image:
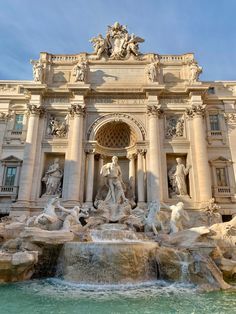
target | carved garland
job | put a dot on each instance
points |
(117, 117)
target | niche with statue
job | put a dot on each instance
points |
(178, 175)
(52, 176)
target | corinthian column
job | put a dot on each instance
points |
(140, 176)
(196, 112)
(77, 112)
(154, 111)
(26, 179)
(100, 165)
(131, 158)
(90, 176)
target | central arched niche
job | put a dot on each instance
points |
(114, 138)
(116, 134)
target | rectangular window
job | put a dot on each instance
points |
(18, 122)
(214, 122)
(10, 176)
(221, 177)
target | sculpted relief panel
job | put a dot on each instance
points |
(57, 126)
(174, 126)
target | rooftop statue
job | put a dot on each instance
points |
(118, 43)
(37, 70)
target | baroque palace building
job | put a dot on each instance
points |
(174, 136)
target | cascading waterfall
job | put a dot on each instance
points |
(113, 256)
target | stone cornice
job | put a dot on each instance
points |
(197, 89)
(79, 88)
(156, 88)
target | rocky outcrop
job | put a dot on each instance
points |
(37, 235)
(17, 266)
(186, 266)
(185, 238)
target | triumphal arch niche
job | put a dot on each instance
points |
(173, 135)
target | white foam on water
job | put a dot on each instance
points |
(59, 288)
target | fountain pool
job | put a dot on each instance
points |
(57, 296)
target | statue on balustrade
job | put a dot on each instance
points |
(37, 70)
(195, 71)
(152, 71)
(52, 179)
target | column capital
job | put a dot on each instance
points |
(33, 110)
(154, 110)
(141, 151)
(197, 110)
(77, 110)
(131, 156)
(5, 116)
(90, 148)
(90, 151)
(230, 118)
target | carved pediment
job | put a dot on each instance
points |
(11, 159)
(219, 160)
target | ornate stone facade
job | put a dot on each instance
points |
(148, 109)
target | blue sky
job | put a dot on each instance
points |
(205, 27)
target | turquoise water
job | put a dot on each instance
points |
(56, 296)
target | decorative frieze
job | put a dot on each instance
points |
(172, 101)
(8, 89)
(118, 100)
(56, 100)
